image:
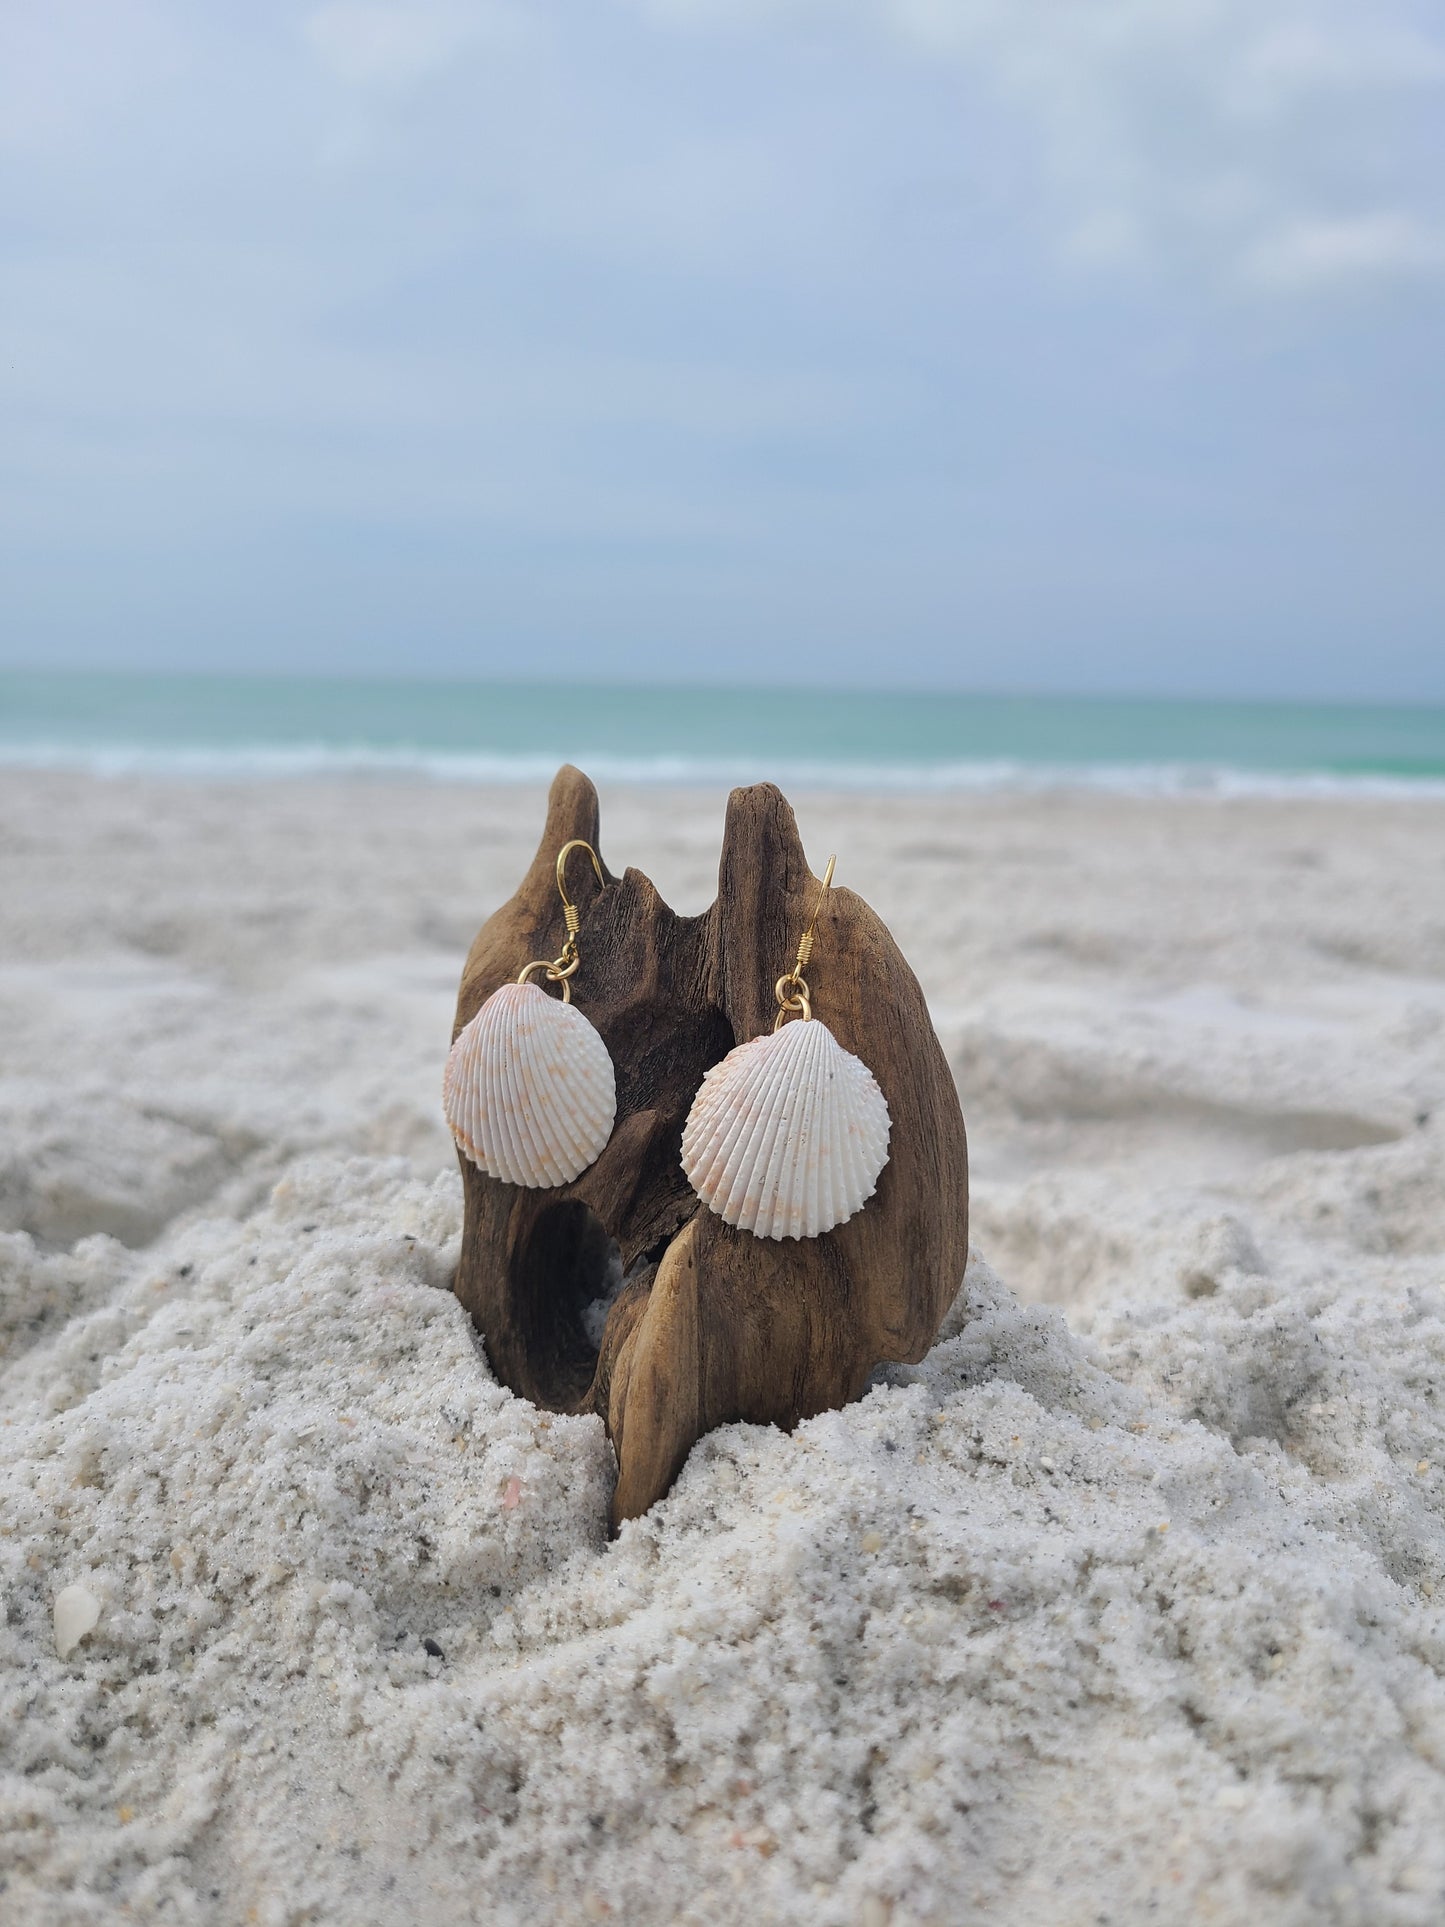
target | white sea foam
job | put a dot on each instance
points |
(264, 762)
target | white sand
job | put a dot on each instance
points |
(1125, 1606)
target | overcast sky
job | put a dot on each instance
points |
(1007, 344)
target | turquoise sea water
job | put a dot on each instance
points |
(269, 725)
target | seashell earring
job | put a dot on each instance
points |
(787, 1135)
(529, 1091)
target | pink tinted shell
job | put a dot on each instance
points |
(787, 1135)
(529, 1091)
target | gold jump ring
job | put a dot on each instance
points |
(554, 975)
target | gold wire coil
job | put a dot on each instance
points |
(791, 989)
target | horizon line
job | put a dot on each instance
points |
(623, 682)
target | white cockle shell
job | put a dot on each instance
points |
(530, 1091)
(787, 1135)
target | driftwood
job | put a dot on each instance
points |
(712, 1324)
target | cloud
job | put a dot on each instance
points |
(1369, 248)
(367, 43)
(1280, 64)
(801, 319)
(74, 69)
(1212, 136)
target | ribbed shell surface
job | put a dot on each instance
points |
(529, 1090)
(787, 1135)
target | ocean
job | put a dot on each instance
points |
(264, 726)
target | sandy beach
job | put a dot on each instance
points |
(1126, 1605)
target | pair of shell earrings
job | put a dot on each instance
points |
(785, 1137)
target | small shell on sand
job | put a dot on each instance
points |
(77, 1613)
(787, 1135)
(530, 1092)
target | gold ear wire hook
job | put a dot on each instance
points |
(791, 989)
(564, 965)
(570, 913)
(805, 942)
